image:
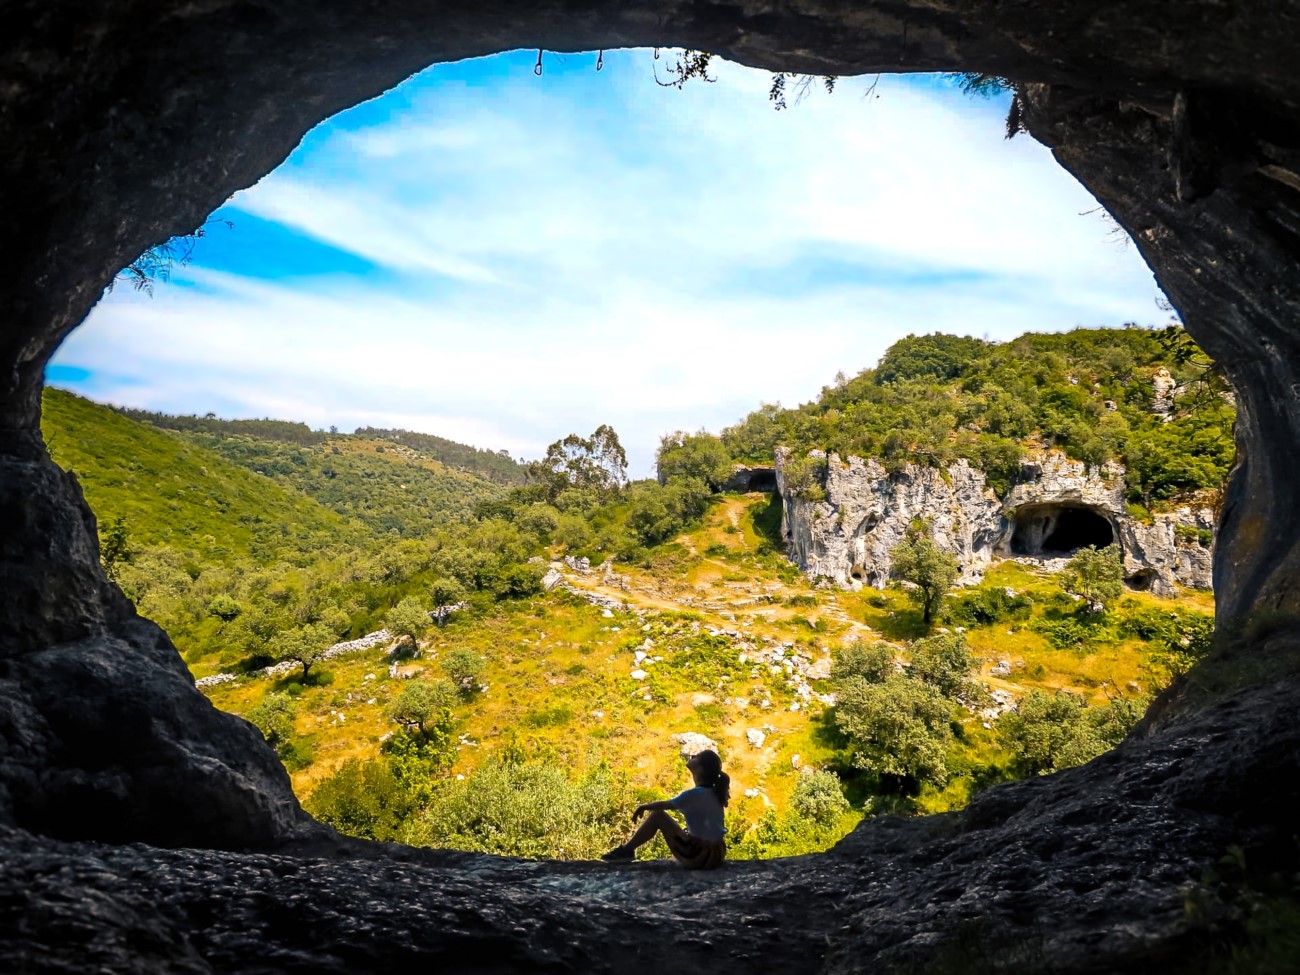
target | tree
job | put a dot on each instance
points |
(818, 798)
(900, 727)
(464, 667)
(944, 662)
(696, 456)
(115, 547)
(408, 620)
(1096, 576)
(873, 662)
(225, 607)
(305, 646)
(918, 560)
(424, 708)
(1048, 732)
(596, 462)
(446, 592)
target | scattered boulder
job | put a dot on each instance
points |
(692, 743)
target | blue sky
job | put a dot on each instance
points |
(504, 259)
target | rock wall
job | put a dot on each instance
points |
(1057, 506)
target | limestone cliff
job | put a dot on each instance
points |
(846, 526)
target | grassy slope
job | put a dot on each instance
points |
(389, 487)
(559, 671)
(171, 491)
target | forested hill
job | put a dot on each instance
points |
(1097, 394)
(494, 466)
(172, 492)
(389, 487)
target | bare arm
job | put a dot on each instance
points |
(646, 807)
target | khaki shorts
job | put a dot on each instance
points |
(694, 853)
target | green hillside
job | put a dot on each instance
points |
(389, 487)
(230, 559)
(490, 465)
(495, 466)
(1089, 392)
(172, 492)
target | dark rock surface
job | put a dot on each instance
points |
(102, 733)
(1085, 871)
(125, 123)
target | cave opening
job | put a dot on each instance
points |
(184, 159)
(1055, 530)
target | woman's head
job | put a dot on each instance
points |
(706, 768)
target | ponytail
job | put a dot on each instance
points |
(722, 787)
(718, 780)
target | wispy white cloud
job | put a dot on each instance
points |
(557, 257)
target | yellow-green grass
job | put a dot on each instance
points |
(559, 682)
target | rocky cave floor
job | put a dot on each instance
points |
(1085, 871)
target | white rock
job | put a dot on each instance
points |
(639, 674)
(755, 737)
(692, 743)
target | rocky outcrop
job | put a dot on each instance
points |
(102, 731)
(845, 528)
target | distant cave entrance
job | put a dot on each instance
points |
(1142, 580)
(747, 479)
(1053, 530)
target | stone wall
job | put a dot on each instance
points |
(848, 536)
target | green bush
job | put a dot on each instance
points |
(873, 662)
(900, 729)
(944, 662)
(464, 667)
(818, 798)
(986, 606)
(362, 798)
(1047, 732)
(528, 809)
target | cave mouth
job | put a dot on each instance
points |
(1142, 580)
(1054, 530)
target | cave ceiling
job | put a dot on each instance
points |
(127, 123)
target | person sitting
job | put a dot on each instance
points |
(702, 844)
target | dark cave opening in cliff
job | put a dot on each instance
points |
(1053, 530)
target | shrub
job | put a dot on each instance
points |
(1095, 575)
(464, 667)
(1048, 732)
(986, 606)
(873, 662)
(900, 728)
(944, 662)
(526, 808)
(363, 798)
(818, 797)
(805, 477)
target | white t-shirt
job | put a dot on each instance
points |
(703, 812)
